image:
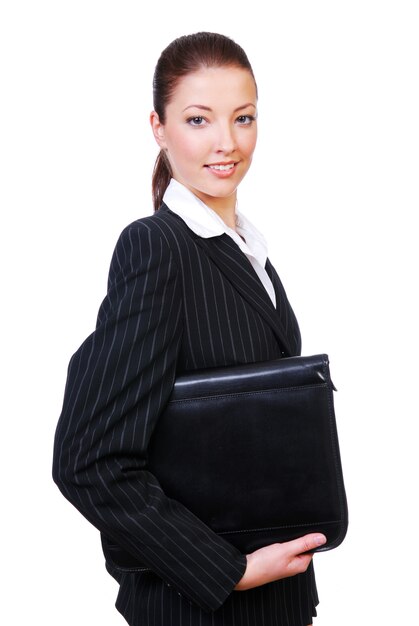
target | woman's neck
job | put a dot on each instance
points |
(225, 209)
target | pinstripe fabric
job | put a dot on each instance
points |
(175, 302)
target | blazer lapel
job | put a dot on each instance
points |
(237, 268)
(285, 312)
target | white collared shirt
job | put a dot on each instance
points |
(207, 223)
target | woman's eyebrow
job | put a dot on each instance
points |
(202, 107)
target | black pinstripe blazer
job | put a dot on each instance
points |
(175, 302)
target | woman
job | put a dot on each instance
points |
(190, 287)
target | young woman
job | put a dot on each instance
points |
(190, 287)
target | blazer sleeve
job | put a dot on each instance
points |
(118, 383)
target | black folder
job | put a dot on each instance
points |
(252, 450)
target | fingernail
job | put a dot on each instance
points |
(320, 540)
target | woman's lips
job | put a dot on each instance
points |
(222, 170)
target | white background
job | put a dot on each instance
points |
(334, 186)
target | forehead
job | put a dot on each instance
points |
(215, 86)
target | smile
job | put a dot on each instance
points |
(222, 168)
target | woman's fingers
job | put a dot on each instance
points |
(279, 560)
(305, 544)
(299, 552)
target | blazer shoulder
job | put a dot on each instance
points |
(163, 222)
(163, 227)
(157, 237)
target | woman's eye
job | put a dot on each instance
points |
(245, 119)
(196, 121)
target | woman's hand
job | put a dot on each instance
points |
(279, 560)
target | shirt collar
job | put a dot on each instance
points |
(205, 222)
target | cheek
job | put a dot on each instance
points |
(185, 147)
(248, 143)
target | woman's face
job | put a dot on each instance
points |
(210, 132)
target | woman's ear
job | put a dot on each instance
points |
(158, 129)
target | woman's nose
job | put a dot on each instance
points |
(226, 139)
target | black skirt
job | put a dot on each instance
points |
(144, 600)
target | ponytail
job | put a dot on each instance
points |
(161, 179)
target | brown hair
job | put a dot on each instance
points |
(181, 57)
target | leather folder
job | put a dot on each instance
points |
(253, 451)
